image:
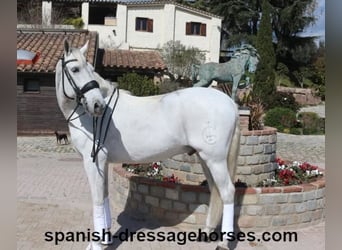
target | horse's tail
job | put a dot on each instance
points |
(234, 150)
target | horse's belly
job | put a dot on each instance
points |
(148, 142)
(137, 150)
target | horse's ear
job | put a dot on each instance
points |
(66, 47)
(84, 48)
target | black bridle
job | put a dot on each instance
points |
(79, 92)
(97, 145)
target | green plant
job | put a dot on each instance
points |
(180, 58)
(264, 82)
(292, 174)
(311, 123)
(284, 100)
(256, 110)
(76, 22)
(138, 85)
(281, 118)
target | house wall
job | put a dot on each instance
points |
(210, 44)
(169, 23)
(142, 39)
(38, 113)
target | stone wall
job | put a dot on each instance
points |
(302, 96)
(256, 209)
(256, 160)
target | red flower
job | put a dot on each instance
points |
(280, 161)
(307, 167)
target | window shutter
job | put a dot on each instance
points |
(188, 28)
(137, 23)
(150, 25)
(203, 31)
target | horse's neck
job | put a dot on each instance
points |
(242, 60)
(106, 87)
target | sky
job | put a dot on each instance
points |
(317, 29)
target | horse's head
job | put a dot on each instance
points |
(79, 80)
(253, 57)
(252, 63)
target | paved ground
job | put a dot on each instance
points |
(53, 195)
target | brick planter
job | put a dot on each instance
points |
(186, 206)
(256, 160)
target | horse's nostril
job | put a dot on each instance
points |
(98, 107)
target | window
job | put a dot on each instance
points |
(195, 28)
(31, 86)
(98, 12)
(144, 24)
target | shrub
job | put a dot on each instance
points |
(311, 123)
(256, 108)
(76, 22)
(284, 100)
(138, 85)
(281, 118)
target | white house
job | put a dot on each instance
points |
(146, 25)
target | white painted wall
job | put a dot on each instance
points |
(169, 23)
(143, 39)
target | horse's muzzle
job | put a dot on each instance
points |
(99, 108)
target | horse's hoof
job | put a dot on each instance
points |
(223, 245)
(204, 236)
(107, 238)
(107, 242)
(94, 246)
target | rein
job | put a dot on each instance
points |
(97, 144)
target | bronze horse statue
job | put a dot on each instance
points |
(244, 58)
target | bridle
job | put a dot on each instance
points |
(79, 92)
(97, 145)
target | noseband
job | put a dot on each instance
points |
(79, 92)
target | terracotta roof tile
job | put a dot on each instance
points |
(133, 59)
(50, 45)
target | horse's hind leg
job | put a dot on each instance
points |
(225, 187)
(97, 173)
(215, 204)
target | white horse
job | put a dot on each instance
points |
(146, 129)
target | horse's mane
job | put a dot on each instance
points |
(107, 87)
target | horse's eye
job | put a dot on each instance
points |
(75, 69)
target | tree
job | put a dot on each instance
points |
(289, 19)
(264, 81)
(179, 58)
(138, 85)
(240, 20)
(29, 12)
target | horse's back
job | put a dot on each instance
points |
(202, 105)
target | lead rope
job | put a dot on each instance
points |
(97, 145)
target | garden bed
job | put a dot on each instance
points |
(186, 205)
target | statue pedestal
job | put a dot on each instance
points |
(244, 114)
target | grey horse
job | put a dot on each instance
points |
(244, 58)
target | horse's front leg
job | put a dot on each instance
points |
(97, 173)
(236, 80)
